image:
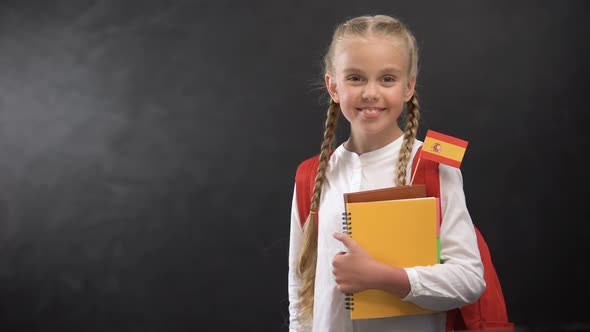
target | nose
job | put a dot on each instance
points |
(370, 92)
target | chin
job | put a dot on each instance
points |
(377, 127)
(374, 131)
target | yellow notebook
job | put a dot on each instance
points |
(401, 233)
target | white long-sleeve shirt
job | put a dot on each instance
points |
(457, 281)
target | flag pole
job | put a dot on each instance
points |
(416, 169)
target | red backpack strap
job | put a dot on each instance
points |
(304, 179)
(426, 174)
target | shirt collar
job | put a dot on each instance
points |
(388, 150)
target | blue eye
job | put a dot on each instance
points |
(389, 79)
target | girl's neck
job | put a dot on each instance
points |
(360, 144)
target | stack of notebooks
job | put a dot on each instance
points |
(400, 227)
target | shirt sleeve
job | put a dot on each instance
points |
(295, 242)
(458, 280)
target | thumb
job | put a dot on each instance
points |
(346, 240)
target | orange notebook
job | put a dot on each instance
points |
(401, 232)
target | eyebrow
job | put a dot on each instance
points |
(384, 71)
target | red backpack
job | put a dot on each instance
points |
(489, 311)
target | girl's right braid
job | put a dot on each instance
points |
(327, 144)
(308, 256)
(412, 122)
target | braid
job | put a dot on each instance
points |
(309, 253)
(412, 121)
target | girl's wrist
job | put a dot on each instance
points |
(390, 278)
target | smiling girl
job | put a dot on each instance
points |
(370, 74)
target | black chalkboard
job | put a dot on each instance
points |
(148, 152)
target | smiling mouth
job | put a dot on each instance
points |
(370, 112)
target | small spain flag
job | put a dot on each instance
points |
(444, 149)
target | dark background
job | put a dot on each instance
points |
(148, 152)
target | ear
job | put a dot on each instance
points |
(410, 88)
(332, 89)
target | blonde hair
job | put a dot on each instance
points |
(362, 26)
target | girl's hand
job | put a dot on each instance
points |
(353, 270)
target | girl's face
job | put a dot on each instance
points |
(370, 82)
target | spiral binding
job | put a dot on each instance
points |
(347, 229)
(349, 302)
(346, 224)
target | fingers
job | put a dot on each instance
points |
(338, 264)
(337, 261)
